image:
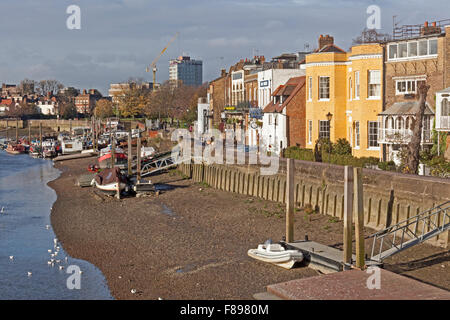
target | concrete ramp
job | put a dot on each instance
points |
(352, 285)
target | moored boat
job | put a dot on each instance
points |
(275, 253)
(15, 148)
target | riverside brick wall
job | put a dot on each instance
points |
(388, 197)
(54, 124)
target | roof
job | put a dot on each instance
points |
(446, 90)
(289, 89)
(406, 108)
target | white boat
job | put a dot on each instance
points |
(276, 254)
(71, 146)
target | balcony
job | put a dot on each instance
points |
(443, 123)
(401, 136)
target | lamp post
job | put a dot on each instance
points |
(329, 116)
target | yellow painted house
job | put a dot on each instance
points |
(344, 96)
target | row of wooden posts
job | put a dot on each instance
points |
(29, 133)
(353, 210)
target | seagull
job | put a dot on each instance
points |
(29, 273)
(47, 227)
(11, 257)
(81, 272)
(52, 255)
(49, 262)
(55, 241)
(61, 267)
(49, 251)
(66, 259)
(58, 261)
(133, 291)
(3, 210)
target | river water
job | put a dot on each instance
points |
(26, 236)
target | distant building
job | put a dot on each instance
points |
(186, 71)
(85, 102)
(116, 90)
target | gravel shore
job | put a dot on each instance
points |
(191, 241)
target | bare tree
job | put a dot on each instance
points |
(46, 86)
(413, 159)
(27, 86)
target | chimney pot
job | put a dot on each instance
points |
(426, 24)
(434, 24)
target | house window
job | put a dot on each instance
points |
(357, 134)
(393, 51)
(324, 88)
(407, 86)
(402, 50)
(350, 88)
(374, 84)
(310, 131)
(324, 129)
(423, 47)
(372, 135)
(445, 111)
(310, 88)
(357, 85)
(412, 49)
(432, 46)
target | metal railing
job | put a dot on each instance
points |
(443, 122)
(410, 232)
(403, 136)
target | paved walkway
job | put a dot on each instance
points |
(352, 285)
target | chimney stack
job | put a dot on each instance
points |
(428, 30)
(325, 41)
(223, 73)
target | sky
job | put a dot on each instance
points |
(118, 39)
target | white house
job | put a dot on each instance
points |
(203, 115)
(269, 80)
(47, 107)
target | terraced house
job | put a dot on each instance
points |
(344, 95)
(417, 54)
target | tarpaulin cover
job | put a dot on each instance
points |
(110, 175)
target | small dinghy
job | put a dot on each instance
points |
(275, 253)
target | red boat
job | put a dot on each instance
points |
(15, 148)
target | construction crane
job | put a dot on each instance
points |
(153, 65)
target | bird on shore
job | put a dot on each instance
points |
(55, 241)
(133, 291)
(47, 227)
(2, 210)
(30, 273)
(11, 257)
(61, 267)
(49, 251)
(66, 259)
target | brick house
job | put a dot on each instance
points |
(410, 60)
(284, 117)
(85, 102)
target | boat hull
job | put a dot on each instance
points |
(285, 259)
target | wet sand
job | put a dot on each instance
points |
(191, 241)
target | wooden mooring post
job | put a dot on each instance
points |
(290, 201)
(29, 131)
(348, 213)
(138, 151)
(130, 154)
(40, 138)
(17, 130)
(359, 217)
(113, 153)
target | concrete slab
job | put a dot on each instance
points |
(352, 285)
(321, 257)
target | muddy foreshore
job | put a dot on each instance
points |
(191, 241)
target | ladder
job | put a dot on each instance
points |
(410, 232)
